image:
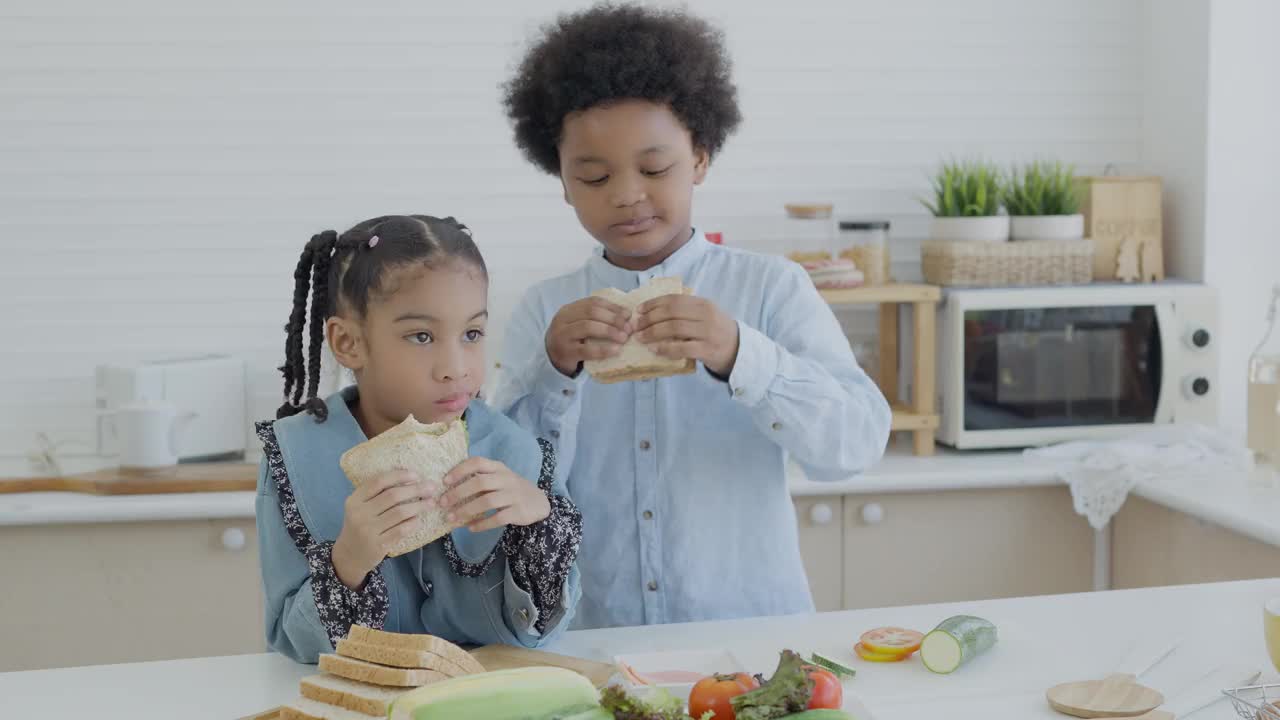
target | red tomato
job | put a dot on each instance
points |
(828, 693)
(713, 693)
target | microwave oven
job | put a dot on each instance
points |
(1021, 367)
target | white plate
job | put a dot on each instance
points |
(676, 671)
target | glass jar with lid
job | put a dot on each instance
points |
(810, 232)
(866, 243)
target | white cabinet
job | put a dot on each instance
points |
(945, 546)
(821, 520)
(1153, 545)
(125, 592)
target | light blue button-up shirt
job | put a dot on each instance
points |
(681, 480)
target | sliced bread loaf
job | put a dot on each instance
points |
(460, 658)
(366, 698)
(375, 674)
(308, 709)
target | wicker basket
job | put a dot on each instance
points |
(993, 264)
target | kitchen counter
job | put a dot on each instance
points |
(1043, 641)
(53, 508)
(1246, 505)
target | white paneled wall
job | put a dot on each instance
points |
(162, 163)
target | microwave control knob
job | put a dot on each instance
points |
(1196, 387)
(1199, 338)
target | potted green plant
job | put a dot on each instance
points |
(1043, 201)
(966, 203)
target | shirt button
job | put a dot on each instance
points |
(737, 392)
(648, 514)
(644, 445)
(428, 588)
(524, 614)
(555, 434)
(776, 426)
(567, 392)
(653, 586)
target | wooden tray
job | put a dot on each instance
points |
(196, 477)
(505, 657)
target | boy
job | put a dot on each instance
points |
(681, 480)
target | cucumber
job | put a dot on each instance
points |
(826, 663)
(956, 641)
(819, 715)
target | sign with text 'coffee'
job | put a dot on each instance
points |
(1122, 216)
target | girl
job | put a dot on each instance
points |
(402, 302)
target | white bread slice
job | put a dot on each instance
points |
(376, 674)
(365, 698)
(420, 643)
(308, 709)
(401, 657)
(636, 361)
(429, 450)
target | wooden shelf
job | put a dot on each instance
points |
(891, 293)
(918, 417)
(906, 419)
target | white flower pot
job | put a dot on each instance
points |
(989, 228)
(1046, 227)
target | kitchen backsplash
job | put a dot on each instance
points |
(162, 165)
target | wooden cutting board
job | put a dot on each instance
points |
(505, 657)
(273, 714)
(195, 477)
(1117, 695)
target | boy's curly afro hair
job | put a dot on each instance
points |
(620, 52)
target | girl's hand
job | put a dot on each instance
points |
(479, 485)
(375, 517)
(689, 327)
(590, 329)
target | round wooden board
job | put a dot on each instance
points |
(1113, 696)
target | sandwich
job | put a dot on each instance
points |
(431, 451)
(636, 361)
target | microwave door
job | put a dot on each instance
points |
(1168, 369)
(1068, 368)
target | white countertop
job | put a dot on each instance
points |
(1043, 641)
(53, 508)
(1247, 505)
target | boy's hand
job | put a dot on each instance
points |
(479, 485)
(375, 517)
(686, 326)
(590, 329)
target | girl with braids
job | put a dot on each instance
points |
(401, 301)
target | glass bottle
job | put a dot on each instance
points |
(1264, 390)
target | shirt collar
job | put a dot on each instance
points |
(678, 265)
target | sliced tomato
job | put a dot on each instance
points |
(866, 654)
(892, 641)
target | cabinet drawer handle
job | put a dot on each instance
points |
(821, 514)
(233, 539)
(872, 513)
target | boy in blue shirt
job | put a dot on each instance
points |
(681, 480)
